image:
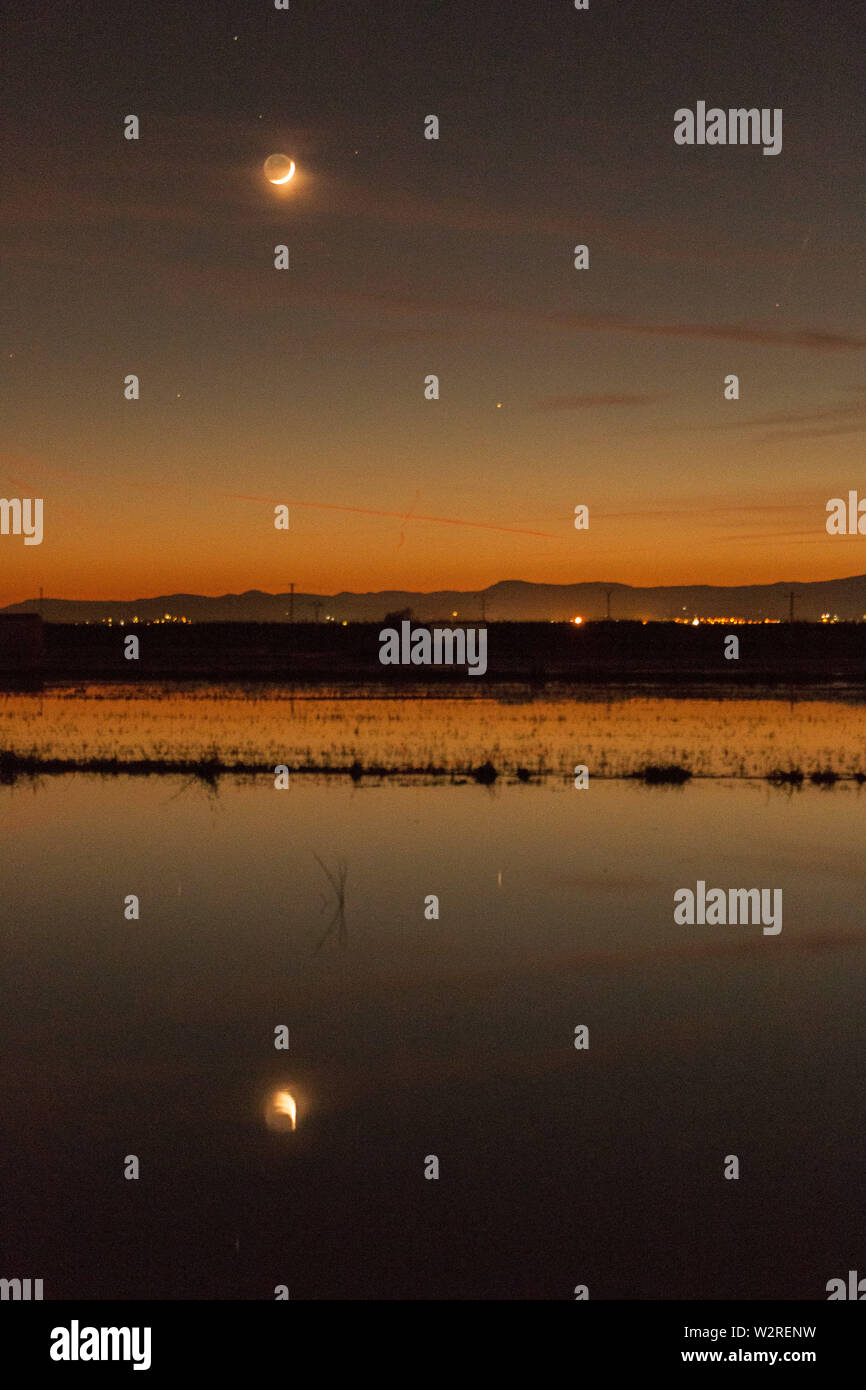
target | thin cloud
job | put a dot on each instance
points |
(645, 241)
(785, 417)
(816, 339)
(589, 402)
(233, 190)
(707, 511)
(247, 288)
(812, 537)
(398, 516)
(828, 433)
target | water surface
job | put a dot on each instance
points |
(412, 1037)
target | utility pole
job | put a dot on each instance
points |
(608, 592)
(291, 603)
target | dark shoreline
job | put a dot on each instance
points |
(511, 692)
(530, 654)
(18, 766)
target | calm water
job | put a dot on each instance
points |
(412, 1037)
(715, 735)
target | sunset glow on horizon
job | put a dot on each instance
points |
(212, 546)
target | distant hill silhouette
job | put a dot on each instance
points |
(510, 600)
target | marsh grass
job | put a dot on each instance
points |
(202, 728)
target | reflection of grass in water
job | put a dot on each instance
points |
(208, 770)
(792, 777)
(15, 765)
(661, 774)
(337, 880)
(821, 777)
(486, 774)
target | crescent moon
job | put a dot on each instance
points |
(289, 175)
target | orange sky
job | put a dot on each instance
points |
(216, 542)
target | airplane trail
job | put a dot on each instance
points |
(398, 516)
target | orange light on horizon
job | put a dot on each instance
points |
(577, 621)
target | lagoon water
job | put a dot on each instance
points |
(412, 1037)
